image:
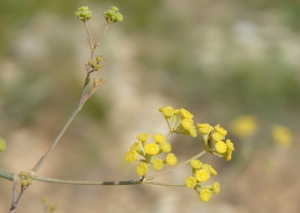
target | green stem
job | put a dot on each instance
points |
(101, 36)
(10, 176)
(88, 34)
(80, 104)
(6, 174)
(79, 182)
(163, 184)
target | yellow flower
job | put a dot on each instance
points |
(159, 138)
(143, 137)
(168, 111)
(216, 188)
(190, 182)
(220, 130)
(205, 195)
(230, 148)
(229, 145)
(217, 136)
(204, 129)
(244, 126)
(282, 135)
(196, 164)
(151, 149)
(186, 114)
(202, 175)
(158, 164)
(212, 170)
(131, 156)
(142, 169)
(165, 147)
(221, 147)
(193, 132)
(187, 123)
(171, 159)
(136, 146)
(209, 169)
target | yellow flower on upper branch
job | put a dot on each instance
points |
(244, 126)
(184, 125)
(186, 114)
(282, 135)
(168, 111)
(212, 140)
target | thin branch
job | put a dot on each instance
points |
(88, 34)
(79, 182)
(6, 174)
(163, 184)
(79, 106)
(101, 36)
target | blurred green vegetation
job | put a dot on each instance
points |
(218, 59)
(238, 58)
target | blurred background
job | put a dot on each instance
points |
(234, 63)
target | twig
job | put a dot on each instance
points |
(79, 106)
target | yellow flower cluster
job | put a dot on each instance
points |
(25, 179)
(212, 139)
(184, 125)
(146, 153)
(201, 173)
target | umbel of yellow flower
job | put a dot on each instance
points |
(147, 153)
(212, 140)
(180, 121)
(201, 173)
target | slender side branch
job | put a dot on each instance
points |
(6, 174)
(79, 182)
(102, 35)
(88, 34)
(163, 184)
(80, 103)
